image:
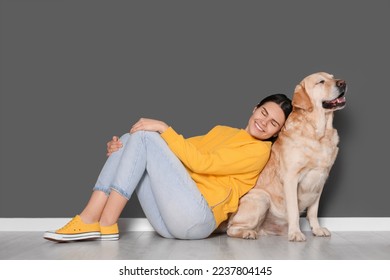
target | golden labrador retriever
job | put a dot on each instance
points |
(300, 161)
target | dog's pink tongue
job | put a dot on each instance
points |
(340, 100)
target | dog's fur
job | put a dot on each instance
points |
(300, 162)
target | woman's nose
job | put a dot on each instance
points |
(264, 121)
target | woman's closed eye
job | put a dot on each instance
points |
(275, 123)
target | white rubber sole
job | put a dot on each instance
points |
(51, 235)
(109, 237)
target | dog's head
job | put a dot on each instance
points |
(320, 90)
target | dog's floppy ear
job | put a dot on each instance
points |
(301, 99)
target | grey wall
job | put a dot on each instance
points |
(74, 73)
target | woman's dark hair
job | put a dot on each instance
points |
(282, 100)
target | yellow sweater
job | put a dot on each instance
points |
(224, 163)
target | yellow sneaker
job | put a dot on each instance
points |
(109, 232)
(76, 229)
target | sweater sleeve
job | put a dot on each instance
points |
(222, 161)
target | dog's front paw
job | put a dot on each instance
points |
(249, 234)
(296, 236)
(242, 233)
(321, 231)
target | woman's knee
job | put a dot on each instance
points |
(153, 136)
(143, 134)
(140, 135)
(124, 138)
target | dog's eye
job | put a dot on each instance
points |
(321, 82)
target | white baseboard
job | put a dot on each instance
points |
(43, 224)
(142, 224)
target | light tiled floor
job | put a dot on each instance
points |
(150, 246)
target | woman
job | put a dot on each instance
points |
(186, 187)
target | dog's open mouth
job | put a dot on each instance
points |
(335, 103)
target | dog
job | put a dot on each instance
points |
(301, 158)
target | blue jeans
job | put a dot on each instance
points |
(169, 197)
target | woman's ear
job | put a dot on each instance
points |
(254, 109)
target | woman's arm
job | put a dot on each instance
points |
(223, 160)
(149, 125)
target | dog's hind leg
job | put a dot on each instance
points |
(251, 213)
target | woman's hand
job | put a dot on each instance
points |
(143, 124)
(113, 145)
(149, 125)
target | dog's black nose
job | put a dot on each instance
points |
(341, 84)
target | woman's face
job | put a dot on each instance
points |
(266, 121)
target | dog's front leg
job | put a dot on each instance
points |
(312, 217)
(290, 186)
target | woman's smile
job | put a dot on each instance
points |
(259, 127)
